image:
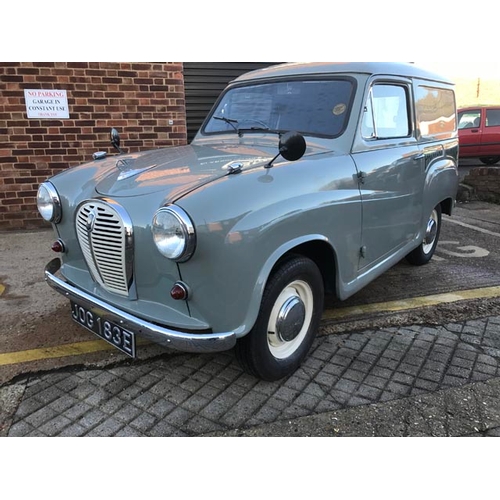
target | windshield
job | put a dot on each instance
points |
(315, 107)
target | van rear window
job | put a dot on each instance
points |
(435, 109)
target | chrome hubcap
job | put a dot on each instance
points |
(430, 233)
(290, 319)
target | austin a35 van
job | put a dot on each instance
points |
(304, 179)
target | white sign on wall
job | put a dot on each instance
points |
(42, 103)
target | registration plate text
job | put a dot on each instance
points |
(111, 332)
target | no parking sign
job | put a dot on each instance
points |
(48, 103)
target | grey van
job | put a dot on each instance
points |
(304, 179)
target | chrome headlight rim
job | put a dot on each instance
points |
(187, 228)
(53, 199)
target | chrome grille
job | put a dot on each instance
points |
(106, 242)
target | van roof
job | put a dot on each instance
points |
(323, 68)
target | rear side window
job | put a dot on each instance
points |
(435, 110)
(386, 113)
(492, 117)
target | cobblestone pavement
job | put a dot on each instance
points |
(383, 374)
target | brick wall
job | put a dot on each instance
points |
(139, 99)
(485, 182)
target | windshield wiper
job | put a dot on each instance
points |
(228, 120)
(239, 130)
(250, 129)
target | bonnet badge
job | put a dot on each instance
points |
(89, 225)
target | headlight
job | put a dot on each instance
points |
(48, 203)
(174, 233)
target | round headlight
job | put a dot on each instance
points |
(48, 203)
(173, 233)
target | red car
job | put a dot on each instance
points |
(479, 133)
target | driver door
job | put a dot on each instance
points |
(390, 171)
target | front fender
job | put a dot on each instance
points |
(256, 219)
(263, 276)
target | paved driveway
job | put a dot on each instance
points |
(385, 363)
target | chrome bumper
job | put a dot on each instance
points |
(182, 341)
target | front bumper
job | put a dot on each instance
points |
(181, 341)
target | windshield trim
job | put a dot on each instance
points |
(294, 78)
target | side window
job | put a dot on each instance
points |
(492, 117)
(386, 113)
(469, 119)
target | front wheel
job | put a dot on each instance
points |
(290, 313)
(424, 252)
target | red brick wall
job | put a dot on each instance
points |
(485, 182)
(139, 99)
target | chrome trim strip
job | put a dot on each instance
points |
(182, 341)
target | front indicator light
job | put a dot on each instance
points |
(58, 246)
(179, 291)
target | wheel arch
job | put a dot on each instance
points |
(447, 206)
(322, 254)
(441, 186)
(316, 247)
(278, 342)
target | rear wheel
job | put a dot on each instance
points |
(424, 252)
(290, 313)
(489, 160)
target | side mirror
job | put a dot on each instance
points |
(292, 147)
(115, 140)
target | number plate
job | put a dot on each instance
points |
(106, 330)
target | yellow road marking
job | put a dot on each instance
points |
(2, 289)
(59, 351)
(79, 348)
(413, 303)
